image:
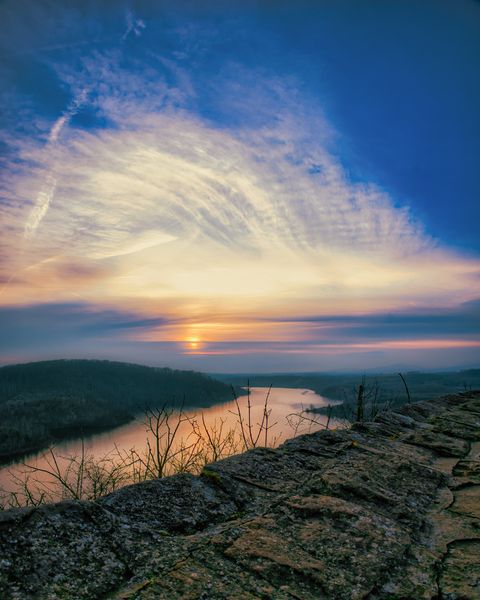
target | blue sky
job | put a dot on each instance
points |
(221, 175)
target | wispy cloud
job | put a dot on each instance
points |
(71, 111)
(134, 24)
(257, 217)
(47, 191)
(40, 208)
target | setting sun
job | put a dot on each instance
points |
(193, 343)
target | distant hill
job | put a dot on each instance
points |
(45, 402)
(422, 385)
(381, 390)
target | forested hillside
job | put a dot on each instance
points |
(43, 402)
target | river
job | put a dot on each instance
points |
(284, 404)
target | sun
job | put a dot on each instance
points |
(193, 342)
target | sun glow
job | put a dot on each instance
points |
(193, 342)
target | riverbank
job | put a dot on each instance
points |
(385, 510)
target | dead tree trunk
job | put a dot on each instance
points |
(360, 402)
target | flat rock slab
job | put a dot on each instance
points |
(385, 510)
(460, 577)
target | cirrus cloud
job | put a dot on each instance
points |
(165, 210)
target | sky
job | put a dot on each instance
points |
(238, 186)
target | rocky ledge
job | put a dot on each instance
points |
(386, 510)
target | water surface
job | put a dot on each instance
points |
(284, 406)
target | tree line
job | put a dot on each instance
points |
(45, 402)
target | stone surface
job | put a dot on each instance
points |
(460, 577)
(386, 511)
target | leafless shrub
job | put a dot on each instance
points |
(168, 450)
(217, 441)
(79, 477)
(254, 434)
(304, 421)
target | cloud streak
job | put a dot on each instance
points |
(134, 25)
(71, 111)
(47, 192)
(41, 206)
